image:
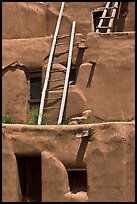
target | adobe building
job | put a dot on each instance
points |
(92, 158)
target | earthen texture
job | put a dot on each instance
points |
(107, 154)
(103, 92)
(105, 77)
(31, 19)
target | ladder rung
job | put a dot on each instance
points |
(62, 36)
(57, 80)
(59, 53)
(112, 7)
(57, 70)
(106, 17)
(51, 107)
(65, 43)
(103, 27)
(46, 99)
(52, 89)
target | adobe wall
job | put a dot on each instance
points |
(23, 20)
(35, 19)
(105, 77)
(106, 152)
(15, 94)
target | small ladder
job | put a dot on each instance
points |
(51, 71)
(110, 18)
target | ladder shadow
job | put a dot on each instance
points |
(79, 61)
(91, 74)
(120, 23)
(82, 150)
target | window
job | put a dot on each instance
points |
(35, 88)
(29, 170)
(77, 180)
(96, 18)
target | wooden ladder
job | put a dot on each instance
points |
(108, 13)
(50, 71)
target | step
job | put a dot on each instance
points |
(57, 70)
(51, 107)
(62, 36)
(60, 53)
(112, 7)
(54, 80)
(107, 17)
(46, 99)
(103, 27)
(54, 89)
(65, 43)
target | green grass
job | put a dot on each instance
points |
(33, 114)
(7, 119)
(33, 118)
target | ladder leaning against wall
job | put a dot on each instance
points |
(109, 14)
(50, 71)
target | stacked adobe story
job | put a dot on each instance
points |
(75, 161)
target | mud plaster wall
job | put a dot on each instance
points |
(108, 82)
(105, 81)
(107, 154)
(34, 19)
(15, 94)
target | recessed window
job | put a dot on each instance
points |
(35, 88)
(96, 18)
(77, 180)
(29, 170)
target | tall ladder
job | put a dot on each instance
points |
(51, 71)
(108, 13)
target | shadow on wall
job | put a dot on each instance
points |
(79, 61)
(121, 17)
(91, 74)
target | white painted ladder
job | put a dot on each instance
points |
(49, 71)
(110, 18)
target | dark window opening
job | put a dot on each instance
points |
(96, 18)
(29, 170)
(35, 88)
(77, 180)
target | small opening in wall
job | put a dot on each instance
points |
(77, 180)
(96, 18)
(29, 170)
(35, 88)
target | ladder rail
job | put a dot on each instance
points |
(103, 15)
(49, 65)
(113, 16)
(118, 14)
(67, 74)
